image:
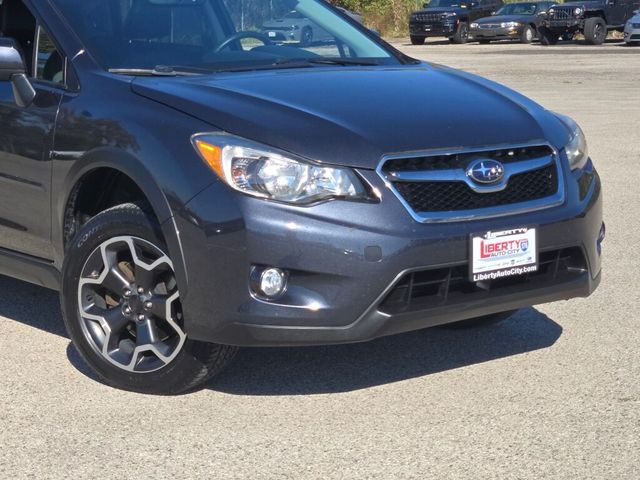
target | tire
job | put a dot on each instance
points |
(462, 34)
(484, 42)
(547, 37)
(595, 31)
(415, 40)
(122, 310)
(479, 321)
(568, 37)
(306, 37)
(527, 34)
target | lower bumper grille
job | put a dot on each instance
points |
(427, 289)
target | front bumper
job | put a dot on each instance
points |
(345, 260)
(495, 33)
(632, 35)
(435, 29)
(571, 25)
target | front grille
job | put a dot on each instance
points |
(454, 196)
(462, 160)
(437, 185)
(562, 13)
(427, 17)
(489, 26)
(444, 287)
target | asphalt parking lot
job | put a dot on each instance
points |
(552, 393)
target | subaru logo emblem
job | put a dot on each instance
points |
(486, 171)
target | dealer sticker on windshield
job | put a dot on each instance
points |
(503, 254)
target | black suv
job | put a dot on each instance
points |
(594, 19)
(191, 186)
(449, 18)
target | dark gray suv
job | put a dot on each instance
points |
(191, 187)
(449, 18)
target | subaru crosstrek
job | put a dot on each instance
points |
(191, 187)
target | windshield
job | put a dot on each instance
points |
(518, 9)
(210, 35)
(446, 3)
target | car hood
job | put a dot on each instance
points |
(285, 22)
(354, 116)
(587, 5)
(505, 18)
(457, 10)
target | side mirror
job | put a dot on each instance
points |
(13, 69)
(11, 62)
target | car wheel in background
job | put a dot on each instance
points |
(306, 37)
(526, 35)
(415, 40)
(547, 37)
(123, 311)
(484, 42)
(595, 31)
(462, 34)
(479, 321)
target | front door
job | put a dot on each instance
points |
(26, 138)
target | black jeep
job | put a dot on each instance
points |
(594, 19)
(449, 18)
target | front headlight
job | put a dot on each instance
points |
(509, 25)
(265, 172)
(449, 14)
(577, 12)
(475, 26)
(576, 150)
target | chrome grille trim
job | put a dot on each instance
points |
(460, 175)
(562, 13)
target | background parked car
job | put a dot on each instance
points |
(294, 27)
(594, 19)
(449, 18)
(514, 21)
(632, 30)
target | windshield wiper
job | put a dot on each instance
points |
(160, 71)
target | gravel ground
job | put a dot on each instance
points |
(552, 393)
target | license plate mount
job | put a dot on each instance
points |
(502, 254)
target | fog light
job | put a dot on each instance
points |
(268, 283)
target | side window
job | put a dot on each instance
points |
(50, 64)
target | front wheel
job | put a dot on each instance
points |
(595, 31)
(462, 34)
(547, 37)
(122, 307)
(479, 321)
(526, 35)
(416, 40)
